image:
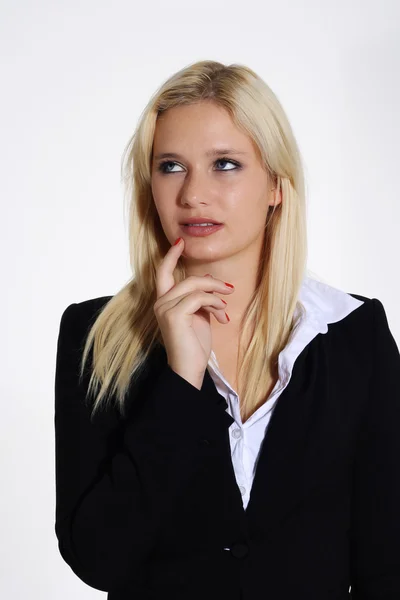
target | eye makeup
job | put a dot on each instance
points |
(162, 166)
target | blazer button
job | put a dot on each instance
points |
(240, 550)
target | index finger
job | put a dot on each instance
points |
(165, 271)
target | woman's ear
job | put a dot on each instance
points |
(275, 198)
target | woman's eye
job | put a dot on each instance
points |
(163, 166)
(223, 160)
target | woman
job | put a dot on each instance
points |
(207, 456)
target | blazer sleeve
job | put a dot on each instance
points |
(375, 529)
(109, 505)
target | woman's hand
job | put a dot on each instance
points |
(183, 313)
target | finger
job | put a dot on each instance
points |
(189, 304)
(165, 271)
(188, 286)
(219, 313)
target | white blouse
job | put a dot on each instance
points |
(324, 304)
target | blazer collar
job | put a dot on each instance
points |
(278, 484)
(278, 481)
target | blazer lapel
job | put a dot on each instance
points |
(278, 482)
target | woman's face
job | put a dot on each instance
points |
(232, 186)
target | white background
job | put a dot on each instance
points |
(75, 77)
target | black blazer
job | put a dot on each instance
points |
(147, 506)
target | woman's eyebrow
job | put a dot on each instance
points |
(212, 152)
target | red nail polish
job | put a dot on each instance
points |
(177, 241)
(227, 316)
(229, 284)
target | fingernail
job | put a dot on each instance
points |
(227, 316)
(177, 241)
(229, 284)
(224, 301)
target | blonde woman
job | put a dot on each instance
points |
(227, 426)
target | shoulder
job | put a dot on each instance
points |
(372, 312)
(78, 317)
(366, 327)
(361, 316)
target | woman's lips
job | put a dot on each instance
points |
(201, 230)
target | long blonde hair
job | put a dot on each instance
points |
(126, 329)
